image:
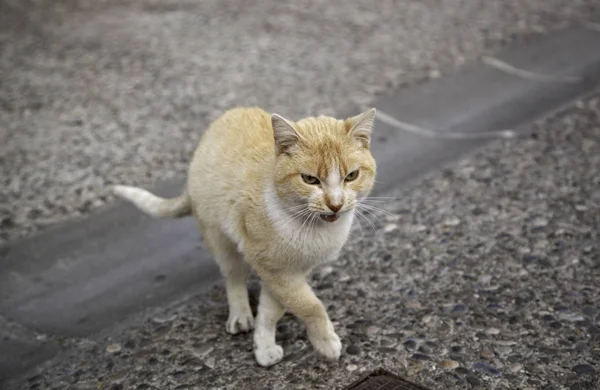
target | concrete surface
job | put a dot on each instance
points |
(80, 277)
(482, 275)
(97, 92)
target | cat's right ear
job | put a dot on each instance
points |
(285, 134)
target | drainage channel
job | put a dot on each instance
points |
(87, 275)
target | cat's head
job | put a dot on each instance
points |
(323, 163)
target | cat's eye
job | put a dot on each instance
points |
(352, 175)
(308, 179)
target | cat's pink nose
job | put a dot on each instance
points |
(334, 207)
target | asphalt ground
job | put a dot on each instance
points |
(484, 274)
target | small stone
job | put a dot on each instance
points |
(448, 364)
(540, 222)
(514, 368)
(459, 309)
(452, 221)
(410, 344)
(484, 279)
(351, 367)
(555, 325)
(371, 330)
(210, 362)
(204, 350)
(113, 348)
(486, 353)
(353, 349)
(584, 368)
(390, 227)
(420, 356)
(505, 343)
(492, 331)
(413, 304)
(502, 350)
(485, 369)
(435, 74)
(571, 317)
(456, 349)
(473, 381)
(414, 369)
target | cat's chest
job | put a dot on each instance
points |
(310, 247)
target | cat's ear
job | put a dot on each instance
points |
(285, 134)
(361, 126)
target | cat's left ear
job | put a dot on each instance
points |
(361, 126)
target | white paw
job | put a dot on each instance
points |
(328, 345)
(240, 321)
(269, 355)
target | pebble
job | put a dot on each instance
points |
(485, 369)
(452, 221)
(410, 344)
(584, 368)
(204, 350)
(505, 343)
(459, 309)
(113, 348)
(210, 362)
(515, 367)
(390, 228)
(473, 380)
(448, 364)
(420, 356)
(351, 367)
(502, 350)
(486, 353)
(540, 222)
(571, 317)
(371, 330)
(353, 349)
(413, 304)
(492, 331)
(456, 349)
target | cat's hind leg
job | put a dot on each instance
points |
(235, 271)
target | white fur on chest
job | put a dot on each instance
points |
(307, 244)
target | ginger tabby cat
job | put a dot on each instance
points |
(276, 197)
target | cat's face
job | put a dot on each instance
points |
(323, 164)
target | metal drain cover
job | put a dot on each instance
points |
(383, 380)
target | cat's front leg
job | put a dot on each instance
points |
(294, 293)
(266, 350)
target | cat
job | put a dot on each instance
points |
(276, 197)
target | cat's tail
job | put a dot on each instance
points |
(154, 205)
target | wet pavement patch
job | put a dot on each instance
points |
(383, 380)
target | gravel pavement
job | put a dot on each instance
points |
(94, 92)
(483, 274)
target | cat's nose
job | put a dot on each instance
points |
(334, 207)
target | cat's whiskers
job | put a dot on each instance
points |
(295, 216)
(364, 218)
(375, 209)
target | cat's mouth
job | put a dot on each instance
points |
(330, 217)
